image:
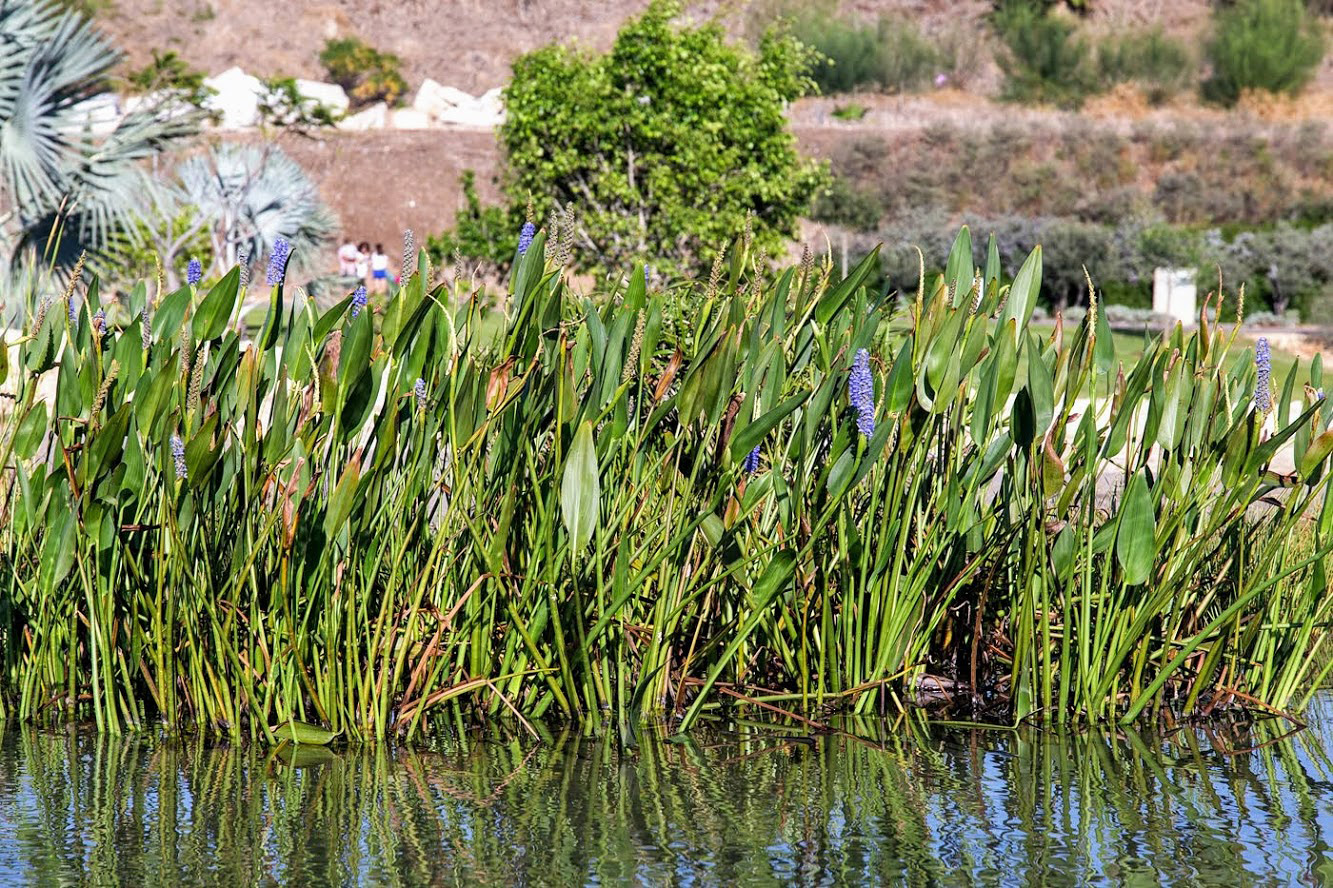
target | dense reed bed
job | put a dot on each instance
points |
(768, 489)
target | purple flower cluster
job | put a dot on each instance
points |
(277, 261)
(525, 236)
(751, 464)
(178, 454)
(419, 391)
(1263, 364)
(73, 310)
(359, 300)
(99, 323)
(194, 272)
(861, 392)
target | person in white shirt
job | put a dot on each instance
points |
(362, 261)
(379, 269)
(347, 259)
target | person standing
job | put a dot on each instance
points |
(362, 261)
(379, 269)
(347, 259)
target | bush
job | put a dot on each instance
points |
(1160, 65)
(1045, 61)
(367, 74)
(891, 55)
(668, 146)
(1272, 45)
(842, 204)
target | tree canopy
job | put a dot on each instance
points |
(663, 145)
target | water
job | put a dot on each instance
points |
(750, 806)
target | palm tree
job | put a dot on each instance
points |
(65, 187)
(248, 196)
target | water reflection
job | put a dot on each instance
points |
(748, 806)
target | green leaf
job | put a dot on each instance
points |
(343, 498)
(959, 270)
(580, 489)
(1136, 537)
(1023, 292)
(211, 319)
(300, 732)
(1315, 455)
(756, 431)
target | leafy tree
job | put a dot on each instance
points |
(664, 145)
(56, 176)
(1272, 45)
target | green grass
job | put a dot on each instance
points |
(642, 505)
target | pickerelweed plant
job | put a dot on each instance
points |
(649, 504)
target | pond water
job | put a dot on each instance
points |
(749, 805)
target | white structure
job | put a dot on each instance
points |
(1175, 294)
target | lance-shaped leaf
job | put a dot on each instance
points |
(580, 489)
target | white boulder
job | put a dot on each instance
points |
(374, 117)
(434, 99)
(237, 98)
(330, 95)
(450, 105)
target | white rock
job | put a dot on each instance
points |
(374, 117)
(434, 98)
(409, 119)
(237, 99)
(330, 95)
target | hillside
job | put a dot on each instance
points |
(470, 43)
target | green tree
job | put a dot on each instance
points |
(664, 145)
(1272, 45)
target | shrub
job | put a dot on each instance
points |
(842, 204)
(171, 78)
(367, 74)
(891, 54)
(1160, 65)
(1045, 61)
(669, 145)
(1272, 45)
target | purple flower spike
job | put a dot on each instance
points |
(751, 464)
(525, 236)
(277, 261)
(194, 272)
(861, 392)
(1263, 364)
(178, 454)
(359, 300)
